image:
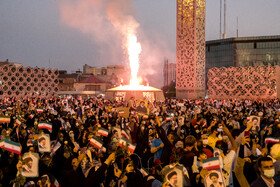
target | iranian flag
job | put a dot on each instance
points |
(110, 115)
(45, 125)
(271, 140)
(121, 112)
(11, 146)
(123, 142)
(145, 116)
(2, 143)
(168, 118)
(96, 143)
(5, 119)
(211, 163)
(133, 107)
(132, 113)
(152, 105)
(31, 116)
(124, 134)
(40, 110)
(103, 132)
(131, 147)
(144, 172)
(18, 122)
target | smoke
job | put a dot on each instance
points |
(89, 17)
(108, 23)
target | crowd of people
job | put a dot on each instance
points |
(97, 142)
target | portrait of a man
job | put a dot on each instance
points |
(214, 179)
(141, 108)
(44, 143)
(30, 165)
(27, 164)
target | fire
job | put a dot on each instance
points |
(134, 50)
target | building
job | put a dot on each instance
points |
(16, 64)
(243, 51)
(92, 83)
(67, 81)
(190, 49)
(17, 81)
(116, 74)
(169, 72)
(79, 84)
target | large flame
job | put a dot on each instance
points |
(134, 50)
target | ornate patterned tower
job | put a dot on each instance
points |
(190, 49)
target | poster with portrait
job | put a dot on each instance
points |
(256, 120)
(214, 179)
(119, 131)
(174, 178)
(44, 144)
(30, 165)
(142, 108)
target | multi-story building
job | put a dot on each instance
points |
(243, 51)
(169, 72)
(116, 74)
(81, 84)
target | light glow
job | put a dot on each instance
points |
(134, 50)
(134, 88)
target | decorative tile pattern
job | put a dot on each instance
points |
(243, 82)
(28, 82)
(190, 49)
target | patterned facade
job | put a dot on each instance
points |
(243, 51)
(260, 82)
(17, 81)
(190, 49)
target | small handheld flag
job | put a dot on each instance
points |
(45, 125)
(31, 116)
(5, 119)
(211, 163)
(96, 143)
(131, 147)
(11, 146)
(168, 118)
(123, 142)
(121, 112)
(271, 140)
(17, 122)
(2, 143)
(39, 110)
(103, 132)
(125, 134)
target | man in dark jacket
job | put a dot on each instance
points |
(267, 172)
